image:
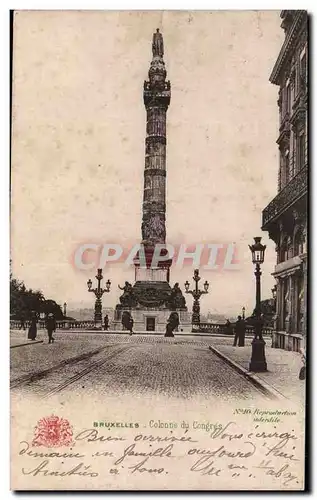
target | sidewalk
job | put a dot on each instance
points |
(283, 368)
(20, 337)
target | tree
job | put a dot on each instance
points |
(24, 302)
(17, 306)
(50, 306)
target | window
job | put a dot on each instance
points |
(288, 97)
(303, 70)
(289, 248)
(300, 150)
(286, 167)
(298, 242)
(283, 250)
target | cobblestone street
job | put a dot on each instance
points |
(117, 364)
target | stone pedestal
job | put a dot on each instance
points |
(150, 304)
(151, 320)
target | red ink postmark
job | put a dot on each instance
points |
(52, 432)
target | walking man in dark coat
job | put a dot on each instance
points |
(131, 323)
(51, 327)
(106, 322)
(127, 321)
(239, 332)
(172, 324)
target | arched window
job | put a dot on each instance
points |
(289, 248)
(298, 242)
(286, 249)
(283, 250)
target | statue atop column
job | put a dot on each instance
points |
(157, 44)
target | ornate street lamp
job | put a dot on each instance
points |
(258, 361)
(98, 293)
(196, 293)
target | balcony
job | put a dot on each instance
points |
(292, 192)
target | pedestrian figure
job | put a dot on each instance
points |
(172, 324)
(22, 323)
(239, 332)
(33, 327)
(106, 322)
(51, 327)
(131, 323)
(127, 321)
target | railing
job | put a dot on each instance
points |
(17, 325)
(284, 340)
(216, 328)
(77, 325)
(294, 190)
(221, 329)
(60, 325)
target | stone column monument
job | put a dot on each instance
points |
(151, 299)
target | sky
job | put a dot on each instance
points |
(78, 143)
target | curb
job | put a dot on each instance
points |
(27, 343)
(267, 389)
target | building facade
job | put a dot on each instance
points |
(285, 217)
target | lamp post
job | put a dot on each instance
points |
(258, 361)
(243, 313)
(196, 293)
(98, 293)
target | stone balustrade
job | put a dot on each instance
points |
(222, 329)
(209, 328)
(60, 325)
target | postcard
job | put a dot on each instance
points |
(158, 278)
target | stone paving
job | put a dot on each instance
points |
(182, 366)
(283, 367)
(116, 364)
